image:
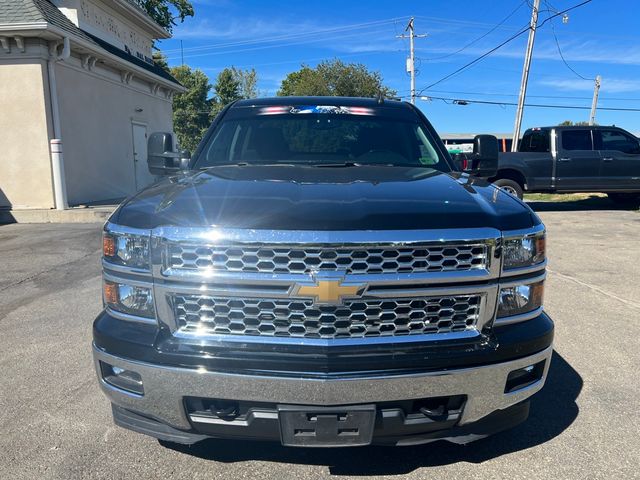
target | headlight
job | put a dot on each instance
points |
(130, 299)
(126, 249)
(520, 299)
(524, 251)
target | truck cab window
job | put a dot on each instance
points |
(577, 140)
(537, 141)
(619, 141)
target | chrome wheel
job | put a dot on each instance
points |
(509, 189)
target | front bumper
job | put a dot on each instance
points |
(167, 387)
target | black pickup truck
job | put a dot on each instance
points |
(573, 159)
(320, 274)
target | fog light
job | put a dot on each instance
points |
(523, 377)
(126, 380)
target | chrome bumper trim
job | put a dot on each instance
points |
(230, 339)
(324, 237)
(165, 388)
(500, 321)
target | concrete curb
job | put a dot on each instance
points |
(72, 215)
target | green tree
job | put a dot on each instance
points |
(234, 84)
(191, 109)
(247, 82)
(334, 77)
(166, 12)
(570, 123)
(160, 60)
(194, 109)
(227, 87)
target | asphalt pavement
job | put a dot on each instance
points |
(56, 424)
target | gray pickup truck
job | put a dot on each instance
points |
(573, 159)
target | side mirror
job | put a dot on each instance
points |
(184, 159)
(483, 162)
(161, 157)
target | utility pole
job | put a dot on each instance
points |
(525, 75)
(411, 64)
(594, 104)
(181, 53)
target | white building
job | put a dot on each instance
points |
(79, 71)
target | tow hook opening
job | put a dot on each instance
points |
(225, 409)
(439, 408)
(524, 377)
(438, 413)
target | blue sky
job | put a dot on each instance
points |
(275, 38)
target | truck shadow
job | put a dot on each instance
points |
(5, 210)
(590, 203)
(552, 411)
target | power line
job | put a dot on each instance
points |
(404, 94)
(299, 41)
(489, 52)
(464, 101)
(476, 40)
(553, 31)
(304, 34)
(476, 60)
(459, 23)
(301, 61)
(567, 97)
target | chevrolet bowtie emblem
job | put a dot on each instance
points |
(329, 292)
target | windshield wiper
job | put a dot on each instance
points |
(252, 164)
(337, 165)
(356, 164)
(319, 165)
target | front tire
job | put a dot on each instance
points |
(631, 200)
(510, 186)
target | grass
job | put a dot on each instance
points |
(562, 197)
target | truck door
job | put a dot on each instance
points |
(539, 167)
(578, 163)
(620, 152)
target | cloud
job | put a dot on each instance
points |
(591, 52)
(585, 51)
(609, 85)
(235, 35)
(368, 47)
(234, 30)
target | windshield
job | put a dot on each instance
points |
(321, 139)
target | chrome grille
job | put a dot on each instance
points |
(349, 259)
(301, 318)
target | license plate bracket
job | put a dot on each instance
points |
(347, 426)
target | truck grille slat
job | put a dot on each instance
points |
(301, 318)
(308, 259)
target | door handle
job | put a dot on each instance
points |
(607, 159)
(564, 159)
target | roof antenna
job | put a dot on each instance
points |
(380, 97)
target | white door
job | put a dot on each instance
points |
(142, 175)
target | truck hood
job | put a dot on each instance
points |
(321, 198)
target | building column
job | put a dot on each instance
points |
(57, 159)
